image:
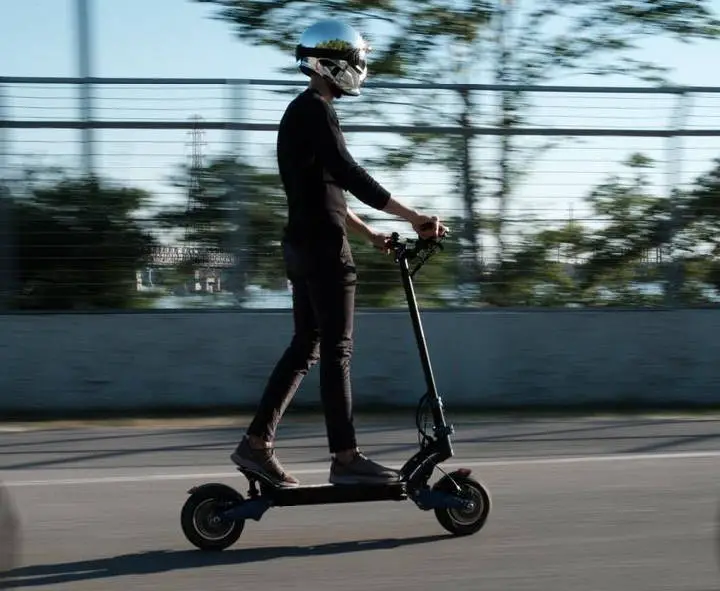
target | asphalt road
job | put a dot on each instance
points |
(596, 504)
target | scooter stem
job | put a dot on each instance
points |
(436, 402)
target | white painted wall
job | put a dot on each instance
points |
(172, 360)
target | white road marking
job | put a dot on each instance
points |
(469, 463)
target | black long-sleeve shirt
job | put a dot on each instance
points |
(316, 168)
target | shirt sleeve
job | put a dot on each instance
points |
(331, 149)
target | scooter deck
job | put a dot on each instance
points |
(323, 494)
(320, 494)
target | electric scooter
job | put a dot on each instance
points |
(214, 515)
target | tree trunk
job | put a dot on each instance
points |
(471, 229)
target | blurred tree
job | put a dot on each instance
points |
(580, 265)
(606, 265)
(631, 215)
(240, 209)
(234, 208)
(78, 241)
(697, 238)
(380, 285)
(641, 223)
(527, 43)
(535, 43)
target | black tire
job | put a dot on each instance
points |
(461, 522)
(199, 520)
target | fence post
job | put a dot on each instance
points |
(237, 192)
(238, 97)
(84, 56)
(674, 170)
(8, 263)
(472, 232)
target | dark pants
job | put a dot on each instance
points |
(323, 279)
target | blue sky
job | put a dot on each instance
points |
(178, 38)
(168, 38)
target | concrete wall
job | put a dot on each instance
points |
(71, 362)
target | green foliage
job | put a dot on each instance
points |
(78, 243)
(526, 44)
(242, 210)
(234, 208)
(555, 38)
(607, 265)
(421, 28)
(379, 277)
(599, 38)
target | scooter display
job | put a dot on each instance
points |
(214, 515)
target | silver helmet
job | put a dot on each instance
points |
(336, 52)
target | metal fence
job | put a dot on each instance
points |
(531, 174)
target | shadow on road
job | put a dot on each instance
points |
(161, 561)
(10, 532)
(42, 450)
(48, 453)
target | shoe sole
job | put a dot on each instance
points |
(241, 462)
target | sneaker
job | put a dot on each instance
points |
(264, 462)
(361, 470)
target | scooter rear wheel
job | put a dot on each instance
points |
(201, 521)
(464, 522)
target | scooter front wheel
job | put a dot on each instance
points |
(202, 521)
(463, 521)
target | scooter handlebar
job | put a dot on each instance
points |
(420, 249)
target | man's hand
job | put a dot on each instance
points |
(428, 226)
(381, 242)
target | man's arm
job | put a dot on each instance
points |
(377, 239)
(358, 226)
(355, 179)
(396, 208)
(333, 153)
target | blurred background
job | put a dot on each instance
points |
(573, 148)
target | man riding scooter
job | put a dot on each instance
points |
(316, 169)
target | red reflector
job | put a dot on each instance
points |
(463, 471)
